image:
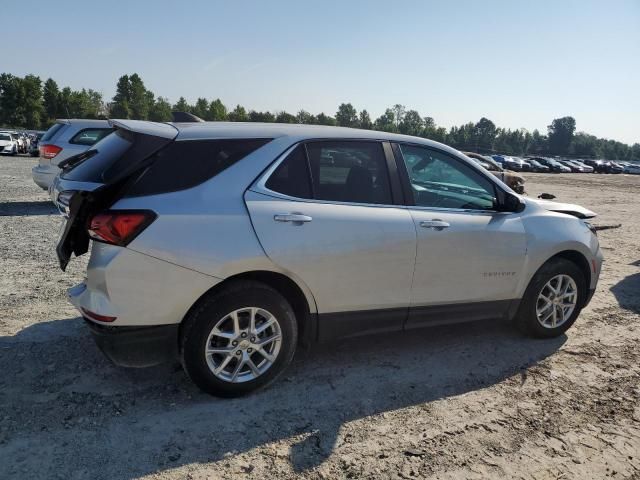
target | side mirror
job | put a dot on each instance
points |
(512, 203)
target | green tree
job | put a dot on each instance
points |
(160, 111)
(182, 105)
(398, 114)
(51, 99)
(347, 115)
(386, 121)
(32, 101)
(284, 117)
(217, 111)
(267, 117)
(560, 134)
(12, 96)
(364, 120)
(138, 98)
(120, 107)
(323, 119)
(411, 124)
(239, 114)
(305, 117)
(201, 108)
(484, 135)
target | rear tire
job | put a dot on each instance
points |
(534, 307)
(229, 324)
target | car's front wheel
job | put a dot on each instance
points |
(238, 340)
(553, 300)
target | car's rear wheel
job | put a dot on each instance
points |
(238, 340)
(553, 300)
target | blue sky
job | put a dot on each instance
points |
(519, 63)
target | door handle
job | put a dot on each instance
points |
(292, 217)
(436, 224)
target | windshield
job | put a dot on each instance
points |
(4, 136)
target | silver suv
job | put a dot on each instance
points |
(229, 245)
(64, 139)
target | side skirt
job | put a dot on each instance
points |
(340, 325)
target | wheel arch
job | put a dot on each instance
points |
(303, 307)
(578, 259)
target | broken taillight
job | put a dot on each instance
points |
(119, 227)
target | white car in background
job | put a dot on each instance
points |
(8, 144)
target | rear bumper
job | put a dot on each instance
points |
(43, 176)
(136, 346)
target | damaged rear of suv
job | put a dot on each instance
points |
(229, 245)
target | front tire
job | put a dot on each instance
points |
(553, 300)
(238, 340)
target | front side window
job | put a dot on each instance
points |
(441, 181)
(339, 171)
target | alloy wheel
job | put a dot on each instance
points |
(243, 344)
(556, 301)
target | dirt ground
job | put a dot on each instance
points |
(471, 401)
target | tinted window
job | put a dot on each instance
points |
(49, 134)
(4, 136)
(185, 164)
(349, 172)
(441, 181)
(292, 176)
(89, 136)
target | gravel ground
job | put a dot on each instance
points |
(471, 401)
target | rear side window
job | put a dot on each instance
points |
(292, 175)
(49, 134)
(341, 171)
(89, 136)
(185, 164)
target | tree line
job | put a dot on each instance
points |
(27, 102)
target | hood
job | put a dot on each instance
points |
(5, 142)
(568, 208)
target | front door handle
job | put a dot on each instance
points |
(436, 224)
(292, 217)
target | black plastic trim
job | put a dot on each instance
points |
(459, 312)
(339, 325)
(336, 325)
(136, 346)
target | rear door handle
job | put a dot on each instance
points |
(436, 224)
(292, 217)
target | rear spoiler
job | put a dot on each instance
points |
(155, 129)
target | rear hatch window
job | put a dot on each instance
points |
(53, 131)
(114, 157)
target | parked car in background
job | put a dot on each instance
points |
(585, 168)
(599, 166)
(228, 245)
(8, 144)
(615, 167)
(555, 166)
(574, 167)
(513, 180)
(632, 168)
(518, 164)
(537, 166)
(65, 138)
(34, 151)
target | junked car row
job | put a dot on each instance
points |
(13, 142)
